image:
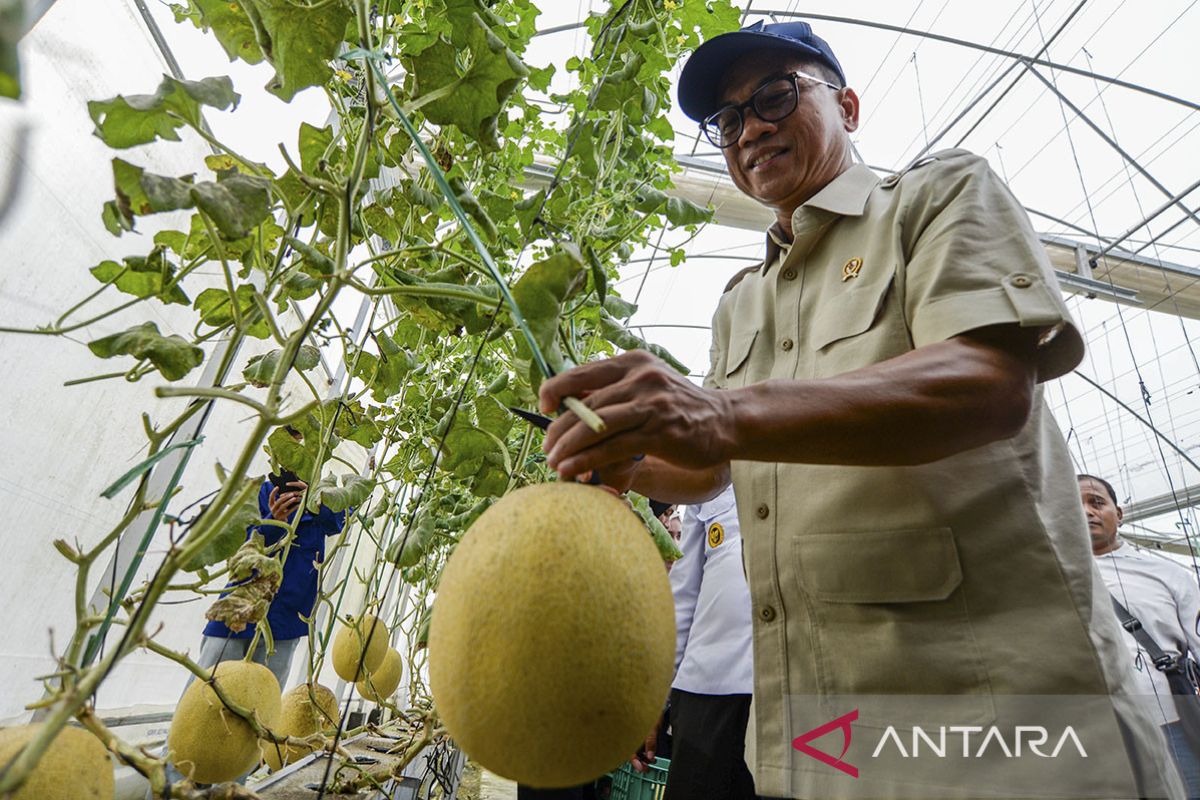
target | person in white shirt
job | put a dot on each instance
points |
(1164, 598)
(714, 668)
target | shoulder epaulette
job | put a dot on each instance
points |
(891, 180)
(736, 279)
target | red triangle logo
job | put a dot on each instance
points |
(842, 723)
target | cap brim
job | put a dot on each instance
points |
(702, 73)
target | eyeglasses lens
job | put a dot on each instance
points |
(770, 103)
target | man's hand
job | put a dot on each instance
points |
(282, 505)
(647, 407)
(645, 756)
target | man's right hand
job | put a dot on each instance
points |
(282, 505)
(644, 757)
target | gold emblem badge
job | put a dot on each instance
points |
(851, 269)
(716, 534)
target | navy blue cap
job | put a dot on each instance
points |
(703, 71)
(659, 508)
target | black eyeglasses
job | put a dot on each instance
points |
(771, 102)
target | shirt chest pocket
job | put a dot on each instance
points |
(857, 327)
(737, 360)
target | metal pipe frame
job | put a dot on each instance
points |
(1125, 257)
(989, 49)
(1174, 200)
(948, 40)
(1133, 162)
(979, 97)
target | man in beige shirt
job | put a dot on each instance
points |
(915, 550)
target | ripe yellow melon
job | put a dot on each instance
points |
(366, 639)
(75, 766)
(382, 683)
(304, 712)
(552, 642)
(210, 744)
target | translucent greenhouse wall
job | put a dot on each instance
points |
(64, 445)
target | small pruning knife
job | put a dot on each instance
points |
(532, 417)
(543, 422)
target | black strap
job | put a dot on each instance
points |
(1183, 691)
(1163, 662)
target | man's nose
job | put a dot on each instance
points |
(754, 127)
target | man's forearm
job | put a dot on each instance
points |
(926, 405)
(669, 483)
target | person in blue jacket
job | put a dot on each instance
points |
(297, 591)
(293, 601)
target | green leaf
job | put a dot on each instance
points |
(662, 128)
(140, 118)
(143, 276)
(301, 456)
(358, 424)
(172, 355)
(667, 548)
(236, 203)
(167, 194)
(422, 639)
(493, 417)
(353, 492)
(317, 262)
(619, 335)
(261, 369)
(132, 200)
(233, 534)
(313, 144)
(479, 457)
(618, 307)
(648, 200)
(12, 26)
(540, 78)
(684, 212)
(217, 311)
(407, 550)
(295, 286)
(710, 17)
(469, 99)
(230, 25)
(384, 373)
(302, 41)
(259, 575)
(541, 292)
(599, 276)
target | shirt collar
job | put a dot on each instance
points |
(845, 195)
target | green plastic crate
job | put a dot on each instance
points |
(649, 785)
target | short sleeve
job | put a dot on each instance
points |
(973, 260)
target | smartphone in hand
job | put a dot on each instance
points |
(282, 480)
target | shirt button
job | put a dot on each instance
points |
(786, 344)
(766, 613)
(1022, 281)
(789, 275)
(762, 511)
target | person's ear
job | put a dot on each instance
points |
(848, 102)
(1120, 515)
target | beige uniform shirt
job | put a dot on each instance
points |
(964, 585)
